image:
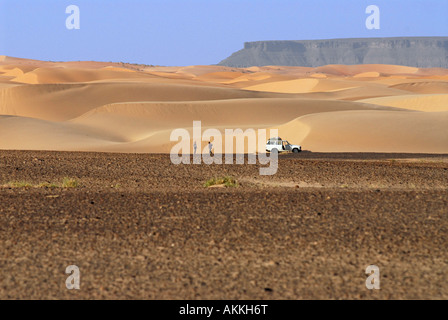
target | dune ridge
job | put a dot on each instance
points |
(428, 103)
(376, 131)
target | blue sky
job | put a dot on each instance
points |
(189, 32)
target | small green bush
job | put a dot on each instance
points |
(70, 183)
(20, 184)
(226, 181)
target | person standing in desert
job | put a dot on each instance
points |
(210, 147)
(195, 147)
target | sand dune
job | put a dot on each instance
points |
(34, 134)
(15, 70)
(252, 77)
(30, 63)
(355, 93)
(284, 71)
(144, 127)
(196, 71)
(428, 103)
(139, 119)
(64, 75)
(305, 86)
(331, 88)
(291, 86)
(219, 76)
(371, 74)
(61, 102)
(430, 87)
(370, 131)
(121, 107)
(367, 68)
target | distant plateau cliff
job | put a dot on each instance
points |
(423, 52)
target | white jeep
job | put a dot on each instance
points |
(279, 145)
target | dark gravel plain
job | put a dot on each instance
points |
(139, 227)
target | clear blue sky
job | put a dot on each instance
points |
(189, 32)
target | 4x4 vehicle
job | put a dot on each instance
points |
(279, 145)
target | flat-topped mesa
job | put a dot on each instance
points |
(420, 52)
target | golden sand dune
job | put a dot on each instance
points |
(196, 71)
(66, 101)
(6, 84)
(313, 85)
(111, 68)
(426, 87)
(318, 76)
(367, 68)
(354, 93)
(141, 119)
(371, 74)
(433, 73)
(15, 70)
(219, 77)
(29, 63)
(291, 86)
(259, 79)
(370, 131)
(144, 127)
(428, 103)
(285, 71)
(120, 107)
(6, 60)
(252, 77)
(33, 134)
(64, 75)
(169, 75)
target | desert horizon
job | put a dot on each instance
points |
(127, 108)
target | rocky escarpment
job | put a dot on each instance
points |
(423, 52)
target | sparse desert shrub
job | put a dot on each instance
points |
(19, 184)
(49, 185)
(66, 183)
(225, 181)
(70, 183)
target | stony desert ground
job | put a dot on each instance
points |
(113, 107)
(369, 189)
(139, 227)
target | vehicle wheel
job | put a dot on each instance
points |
(274, 151)
(296, 150)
